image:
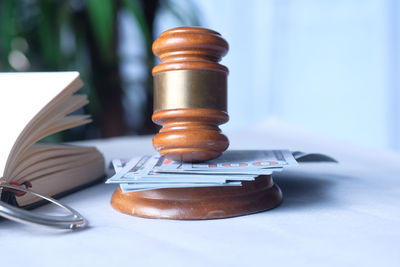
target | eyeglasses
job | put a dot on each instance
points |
(72, 221)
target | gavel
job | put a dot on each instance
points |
(190, 94)
(190, 89)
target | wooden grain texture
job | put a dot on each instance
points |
(200, 203)
(190, 134)
(190, 48)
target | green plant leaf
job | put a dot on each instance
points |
(49, 33)
(7, 28)
(101, 15)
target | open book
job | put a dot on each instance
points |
(33, 106)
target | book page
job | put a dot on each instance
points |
(22, 96)
(42, 152)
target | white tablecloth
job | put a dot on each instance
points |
(332, 215)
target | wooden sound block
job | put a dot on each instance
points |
(198, 203)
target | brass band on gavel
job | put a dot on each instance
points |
(190, 89)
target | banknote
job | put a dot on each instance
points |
(122, 167)
(141, 187)
(140, 184)
(234, 166)
(234, 162)
(141, 172)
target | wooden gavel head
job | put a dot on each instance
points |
(190, 94)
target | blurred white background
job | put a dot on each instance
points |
(330, 67)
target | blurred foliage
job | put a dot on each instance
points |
(84, 35)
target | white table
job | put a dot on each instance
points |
(332, 215)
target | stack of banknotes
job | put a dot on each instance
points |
(230, 169)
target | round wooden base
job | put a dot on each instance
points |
(200, 202)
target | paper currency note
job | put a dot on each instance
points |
(151, 172)
(141, 187)
(234, 162)
(121, 168)
(141, 172)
